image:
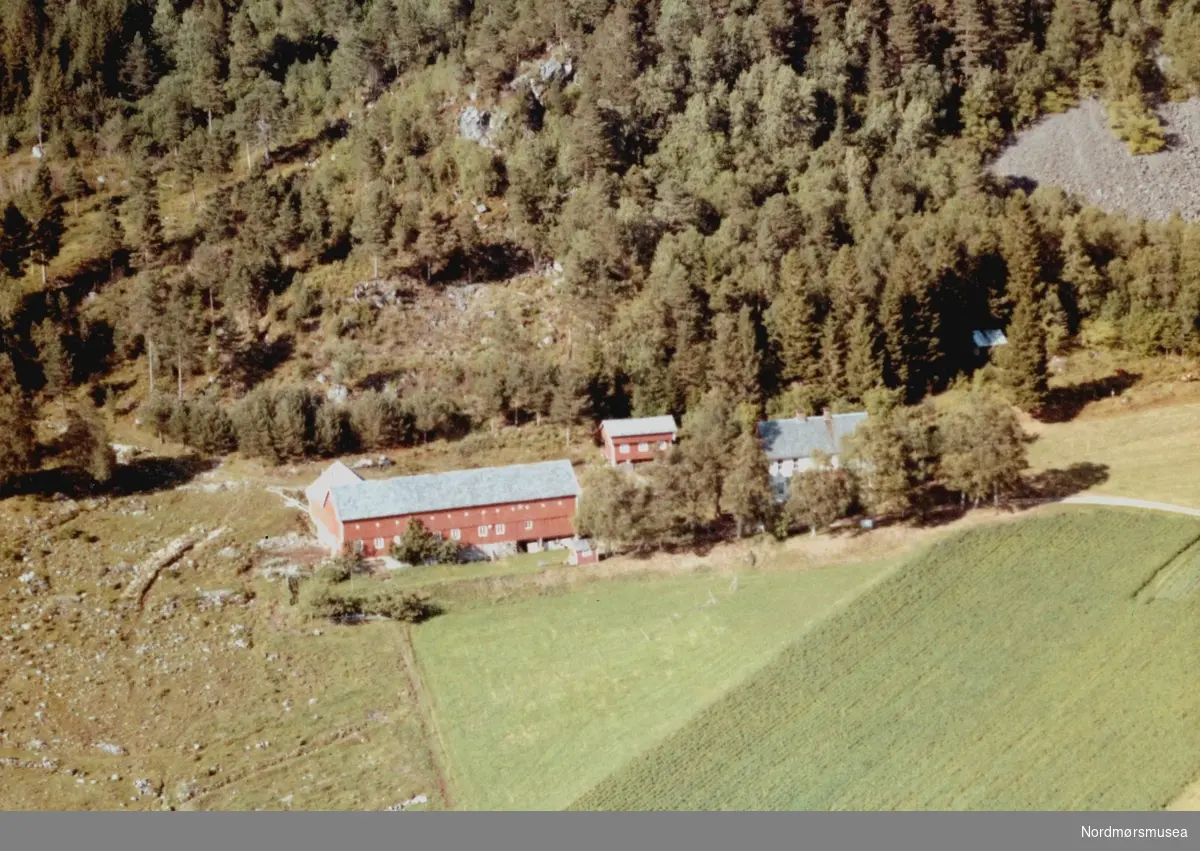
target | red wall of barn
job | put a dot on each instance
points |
(551, 518)
(615, 456)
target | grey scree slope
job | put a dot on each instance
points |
(639, 426)
(458, 489)
(795, 438)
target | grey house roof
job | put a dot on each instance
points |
(799, 438)
(458, 489)
(639, 426)
(989, 338)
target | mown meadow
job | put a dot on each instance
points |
(538, 699)
(1010, 667)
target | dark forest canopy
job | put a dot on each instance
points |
(783, 199)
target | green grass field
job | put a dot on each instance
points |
(1150, 454)
(1010, 667)
(539, 699)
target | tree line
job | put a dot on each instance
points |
(715, 482)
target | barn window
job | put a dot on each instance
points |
(376, 525)
(499, 528)
(358, 547)
(643, 447)
(483, 531)
(528, 524)
(438, 535)
(456, 533)
(396, 540)
(624, 448)
(662, 445)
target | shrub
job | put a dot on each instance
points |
(1137, 126)
(420, 546)
(400, 605)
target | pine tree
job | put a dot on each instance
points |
(183, 326)
(76, 186)
(1079, 272)
(1024, 358)
(863, 368)
(143, 212)
(86, 445)
(110, 236)
(44, 212)
(16, 424)
(972, 34)
(54, 358)
(905, 32)
(14, 240)
(1021, 250)
(833, 359)
(737, 362)
(371, 222)
(747, 488)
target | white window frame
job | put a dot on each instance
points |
(483, 531)
(662, 446)
(499, 528)
(624, 449)
(456, 534)
(380, 543)
(528, 525)
(359, 545)
(396, 540)
(643, 447)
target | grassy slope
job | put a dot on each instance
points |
(1150, 454)
(540, 699)
(159, 682)
(1010, 668)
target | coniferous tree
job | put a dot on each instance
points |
(14, 240)
(54, 358)
(110, 236)
(371, 223)
(747, 488)
(737, 362)
(1024, 357)
(44, 212)
(143, 213)
(863, 369)
(75, 186)
(16, 423)
(86, 445)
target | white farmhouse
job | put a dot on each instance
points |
(791, 443)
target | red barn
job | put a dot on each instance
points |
(491, 510)
(639, 439)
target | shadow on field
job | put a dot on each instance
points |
(1064, 404)
(942, 507)
(140, 476)
(1059, 484)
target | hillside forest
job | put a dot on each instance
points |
(779, 205)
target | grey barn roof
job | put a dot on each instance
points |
(639, 426)
(798, 438)
(457, 489)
